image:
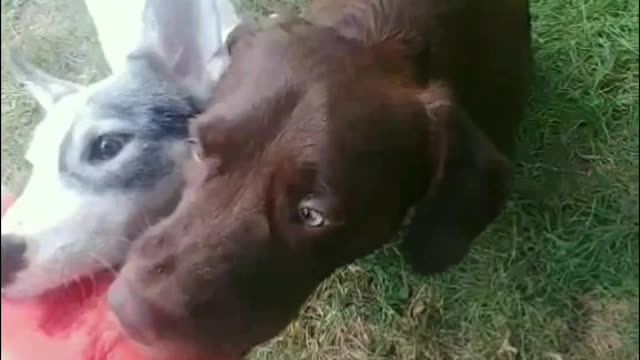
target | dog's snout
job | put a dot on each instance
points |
(13, 257)
(140, 318)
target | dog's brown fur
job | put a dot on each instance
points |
(361, 112)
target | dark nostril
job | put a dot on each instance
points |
(139, 317)
(13, 257)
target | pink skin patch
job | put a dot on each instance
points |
(73, 322)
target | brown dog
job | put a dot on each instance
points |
(323, 134)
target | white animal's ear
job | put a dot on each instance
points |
(118, 38)
(188, 38)
(229, 18)
(46, 88)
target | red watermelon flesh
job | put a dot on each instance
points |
(72, 322)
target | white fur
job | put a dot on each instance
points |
(70, 232)
(119, 27)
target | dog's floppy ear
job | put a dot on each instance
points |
(467, 191)
(46, 88)
(187, 38)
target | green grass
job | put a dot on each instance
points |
(556, 277)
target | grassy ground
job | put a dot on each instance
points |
(555, 278)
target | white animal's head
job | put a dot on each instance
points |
(106, 159)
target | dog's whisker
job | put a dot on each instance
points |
(78, 282)
(108, 266)
(92, 277)
(146, 222)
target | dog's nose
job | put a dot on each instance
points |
(12, 260)
(141, 319)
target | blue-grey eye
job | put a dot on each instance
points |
(106, 147)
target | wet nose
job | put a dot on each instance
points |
(141, 319)
(13, 259)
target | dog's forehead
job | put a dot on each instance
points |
(295, 52)
(101, 107)
(138, 103)
(134, 96)
(58, 122)
(332, 89)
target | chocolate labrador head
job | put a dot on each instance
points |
(310, 156)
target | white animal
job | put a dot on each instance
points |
(107, 157)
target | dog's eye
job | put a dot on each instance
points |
(106, 147)
(311, 216)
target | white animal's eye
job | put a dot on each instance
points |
(106, 147)
(310, 216)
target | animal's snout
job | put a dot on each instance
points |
(13, 258)
(140, 318)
